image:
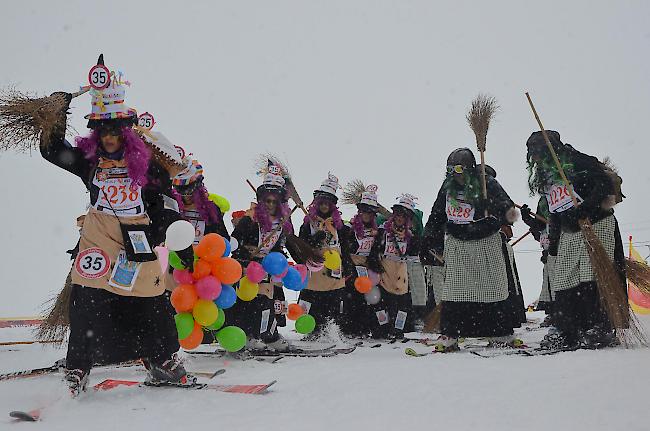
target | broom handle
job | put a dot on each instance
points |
(251, 186)
(520, 238)
(437, 256)
(550, 148)
(537, 216)
(483, 181)
(82, 91)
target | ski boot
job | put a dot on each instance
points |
(77, 381)
(446, 344)
(509, 341)
(279, 345)
(169, 373)
(557, 340)
(598, 338)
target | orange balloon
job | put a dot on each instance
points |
(184, 297)
(294, 311)
(201, 269)
(211, 247)
(363, 284)
(227, 270)
(193, 340)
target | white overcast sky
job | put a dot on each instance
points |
(375, 90)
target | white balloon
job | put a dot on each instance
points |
(234, 244)
(373, 296)
(179, 235)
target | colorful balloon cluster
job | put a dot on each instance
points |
(367, 285)
(202, 294)
(293, 277)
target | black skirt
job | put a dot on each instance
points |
(476, 319)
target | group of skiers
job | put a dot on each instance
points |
(459, 264)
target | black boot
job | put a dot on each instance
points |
(77, 381)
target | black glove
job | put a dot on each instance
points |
(526, 217)
(187, 257)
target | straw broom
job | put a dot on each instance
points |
(612, 291)
(54, 327)
(478, 117)
(352, 196)
(25, 119)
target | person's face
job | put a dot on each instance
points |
(366, 217)
(399, 219)
(110, 139)
(324, 207)
(536, 153)
(457, 172)
(271, 203)
(187, 199)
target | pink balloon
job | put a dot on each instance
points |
(255, 272)
(374, 277)
(314, 267)
(163, 257)
(208, 288)
(183, 276)
(638, 298)
(303, 271)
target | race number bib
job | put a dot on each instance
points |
(559, 199)
(117, 193)
(395, 250)
(365, 244)
(268, 240)
(92, 263)
(461, 213)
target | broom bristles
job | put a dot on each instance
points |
(611, 289)
(24, 119)
(54, 327)
(301, 251)
(432, 320)
(479, 116)
(639, 274)
(352, 192)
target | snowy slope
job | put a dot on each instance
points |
(370, 388)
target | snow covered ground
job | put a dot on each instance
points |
(378, 388)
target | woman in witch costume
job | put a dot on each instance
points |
(194, 203)
(324, 230)
(578, 312)
(261, 231)
(394, 246)
(117, 290)
(475, 293)
(356, 319)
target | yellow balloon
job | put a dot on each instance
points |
(205, 312)
(638, 309)
(332, 259)
(247, 290)
(220, 201)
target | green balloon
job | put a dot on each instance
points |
(184, 324)
(221, 319)
(232, 338)
(305, 324)
(175, 261)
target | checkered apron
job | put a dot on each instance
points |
(475, 270)
(435, 276)
(572, 265)
(545, 294)
(511, 258)
(417, 284)
(550, 267)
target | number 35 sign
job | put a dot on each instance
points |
(146, 121)
(99, 77)
(92, 263)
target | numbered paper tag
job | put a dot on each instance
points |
(273, 326)
(544, 240)
(365, 245)
(400, 320)
(382, 317)
(99, 77)
(362, 271)
(117, 192)
(146, 121)
(92, 263)
(264, 323)
(139, 241)
(125, 273)
(559, 199)
(461, 213)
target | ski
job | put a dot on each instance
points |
(324, 352)
(58, 366)
(109, 384)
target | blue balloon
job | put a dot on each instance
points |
(293, 280)
(275, 263)
(226, 253)
(227, 298)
